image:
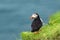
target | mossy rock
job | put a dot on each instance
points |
(50, 31)
(55, 18)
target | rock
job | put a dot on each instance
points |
(50, 31)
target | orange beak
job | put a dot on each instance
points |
(31, 18)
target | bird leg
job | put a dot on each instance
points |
(36, 32)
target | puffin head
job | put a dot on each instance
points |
(34, 16)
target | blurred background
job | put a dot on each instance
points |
(15, 14)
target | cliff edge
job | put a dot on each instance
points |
(50, 31)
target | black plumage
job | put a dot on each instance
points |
(36, 24)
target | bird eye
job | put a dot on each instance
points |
(34, 16)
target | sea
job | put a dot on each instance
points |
(15, 15)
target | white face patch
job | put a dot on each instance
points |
(34, 16)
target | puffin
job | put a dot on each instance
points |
(37, 23)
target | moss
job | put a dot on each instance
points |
(51, 31)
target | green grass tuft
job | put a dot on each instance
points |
(51, 31)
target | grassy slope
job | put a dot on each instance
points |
(51, 31)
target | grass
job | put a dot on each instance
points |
(50, 31)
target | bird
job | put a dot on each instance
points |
(37, 23)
